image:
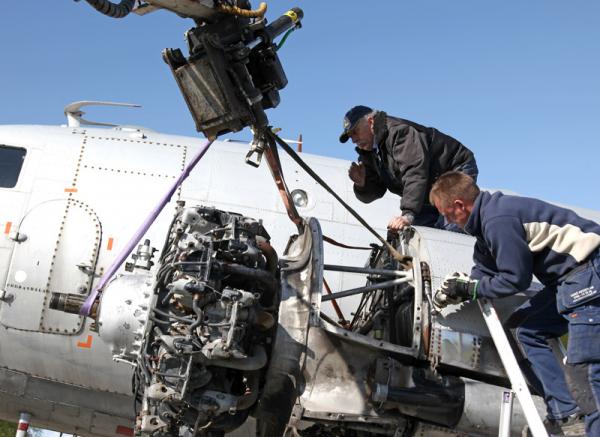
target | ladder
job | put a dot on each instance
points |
(517, 380)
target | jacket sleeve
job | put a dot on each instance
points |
(484, 262)
(506, 240)
(411, 154)
(374, 188)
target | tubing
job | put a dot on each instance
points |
(254, 362)
(269, 253)
(112, 10)
(262, 276)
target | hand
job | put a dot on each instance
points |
(456, 288)
(400, 222)
(357, 174)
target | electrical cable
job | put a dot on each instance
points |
(111, 9)
(285, 36)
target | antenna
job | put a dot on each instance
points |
(75, 114)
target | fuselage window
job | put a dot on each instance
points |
(11, 161)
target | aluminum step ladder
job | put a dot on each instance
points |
(517, 380)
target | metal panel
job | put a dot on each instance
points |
(130, 187)
(73, 264)
(117, 153)
(13, 383)
(30, 267)
(73, 230)
(68, 408)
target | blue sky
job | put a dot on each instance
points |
(517, 82)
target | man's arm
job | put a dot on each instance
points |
(411, 154)
(484, 262)
(506, 240)
(373, 187)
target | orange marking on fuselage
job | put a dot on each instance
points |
(123, 430)
(87, 344)
(110, 244)
(70, 190)
(7, 227)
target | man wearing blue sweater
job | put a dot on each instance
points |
(518, 237)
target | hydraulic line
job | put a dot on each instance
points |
(111, 9)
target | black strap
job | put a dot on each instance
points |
(401, 258)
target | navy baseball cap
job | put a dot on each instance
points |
(351, 118)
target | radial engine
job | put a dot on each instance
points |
(221, 329)
(198, 331)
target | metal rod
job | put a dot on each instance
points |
(336, 307)
(365, 270)
(506, 410)
(23, 425)
(379, 286)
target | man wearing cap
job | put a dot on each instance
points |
(405, 158)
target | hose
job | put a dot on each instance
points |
(253, 362)
(269, 253)
(112, 10)
(266, 279)
(234, 10)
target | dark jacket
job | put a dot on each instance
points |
(409, 159)
(518, 237)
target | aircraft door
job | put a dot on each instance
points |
(57, 249)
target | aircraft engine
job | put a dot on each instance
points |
(200, 348)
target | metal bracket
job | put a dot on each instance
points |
(17, 237)
(6, 296)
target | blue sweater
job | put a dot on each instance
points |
(518, 237)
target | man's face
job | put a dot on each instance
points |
(362, 134)
(456, 212)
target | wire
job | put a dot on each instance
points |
(282, 42)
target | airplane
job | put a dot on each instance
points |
(72, 195)
(218, 323)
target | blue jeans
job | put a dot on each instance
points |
(579, 302)
(538, 321)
